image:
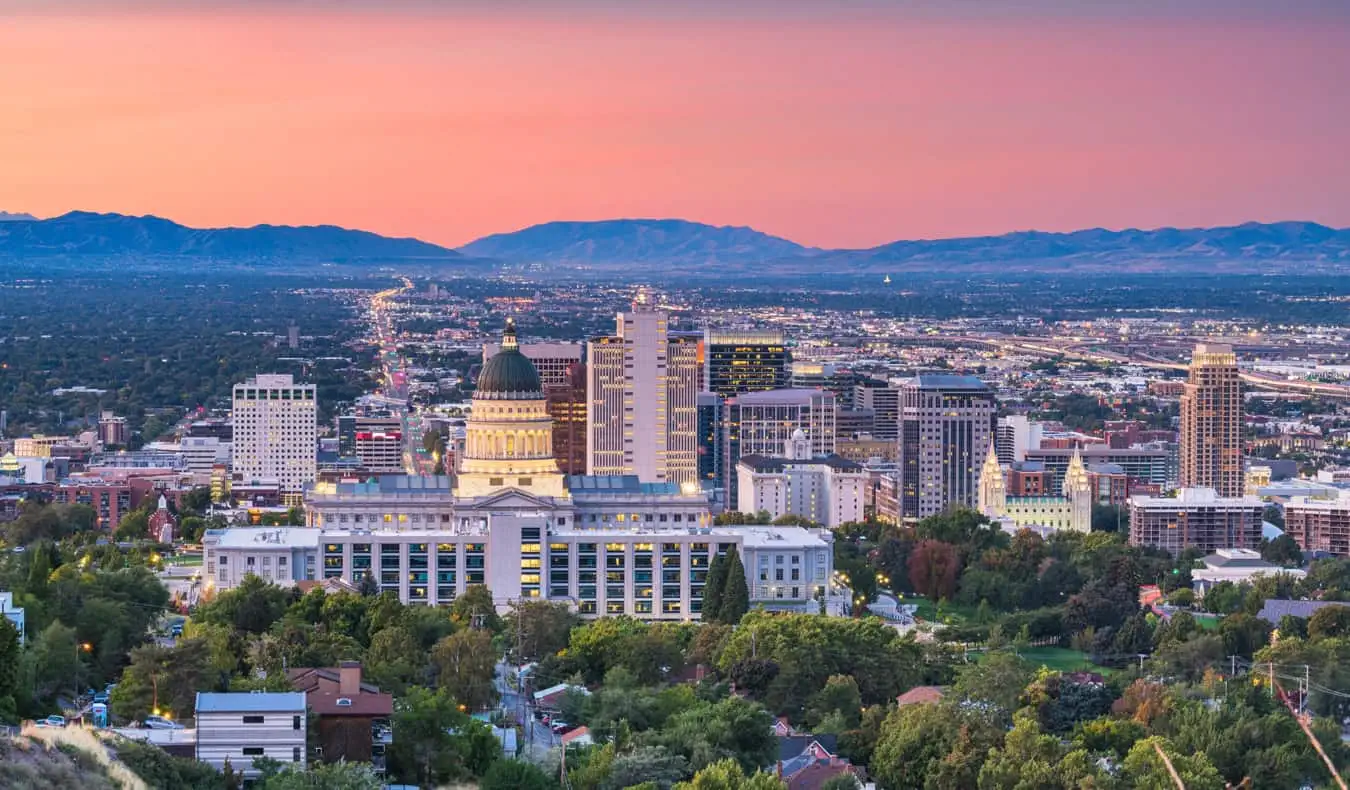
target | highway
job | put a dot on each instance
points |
(395, 393)
(1078, 350)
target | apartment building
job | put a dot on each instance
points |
(1196, 517)
(243, 726)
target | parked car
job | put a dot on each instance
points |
(560, 726)
(176, 629)
(101, 698)
(161, 723)
(55, 721)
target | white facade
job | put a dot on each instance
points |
(12, 613)
(1072, 511)
(281, 555)
(241, 727)
(275, 431)
(201, 453)
(379, 444)
(641, 394)
(827, 490)
(766, 420)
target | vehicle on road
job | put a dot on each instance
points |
(54, 721)
(161, 723)
(101, 698)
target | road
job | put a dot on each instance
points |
(394, 371)
(536, 739)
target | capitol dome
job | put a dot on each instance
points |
(509, 374)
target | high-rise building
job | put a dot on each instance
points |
(1016, 434)
(293, 336)
(1211, 422)
(275, 433)
(946, 429)
(1196, 517)
(711, 474)
(641, 399)
(346, 435)
(567, 407)
(552, 360)
(736, 362)
(112, 430)
(758, 423)
(1320, 524)
(884, 402)
(379, 444)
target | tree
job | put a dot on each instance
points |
(728, 775)
(753, 676)
(163, 679)
(1148, 772)
(736, 595)
(392, 660)
(1224, 598)
(324, 776)
(734, 729)
(1110, 518)
(425, 750)
(476, 609)
(1329, 622)
(134, 525)
(157, 768)
(9, 671)
(515, 775)
(713, 587)
(1283, 550)
(466, 663)
(917, 744)
(1243, 634)
(647, 764)
(839, 696)
(56, 657)
(997, 680)
(1031, 759)
(251, 607)
(535, 629)
(933, 567)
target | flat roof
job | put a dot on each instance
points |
(791, 397)
(249, 701)
(948, 381)
(607, 484)
(266, 537)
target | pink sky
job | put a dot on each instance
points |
(844, 129)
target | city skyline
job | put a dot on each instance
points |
(842, 128)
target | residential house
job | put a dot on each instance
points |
(243, 726)
(353, 717)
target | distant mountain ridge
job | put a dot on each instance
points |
(611, 243)
(6, 216)
(85, 233)
(618, 241)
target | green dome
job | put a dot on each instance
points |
(509, 375)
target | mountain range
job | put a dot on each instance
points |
(81, 233)
(636, 245)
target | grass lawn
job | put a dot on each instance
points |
(186, 560)
(1059, 659)
(928, 610)
(1208, 622)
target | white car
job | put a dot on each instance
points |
(161, 723)
(55, 721)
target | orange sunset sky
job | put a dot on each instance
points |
(834, 124)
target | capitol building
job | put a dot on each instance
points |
(510, 520)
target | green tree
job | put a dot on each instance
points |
(736, 595)
(9, 671)
(1329, 622)
(1283, 550)
(251, 607)
(535, 629)
(921, 743)
(839, 696)
(1148, 772)
(476, 609)
(166, 679)
(712, 589)
(515, 775)
(1031, 759)
(392, 660)
(997, 679)
(324, 776)
(733, 729)
(1224, 598)
(57, 661)
(729, 775)
(466, 663)
(427, 748)
(649, 764)
(159, 769)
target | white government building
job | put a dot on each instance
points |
(510, 520)
(826, 489)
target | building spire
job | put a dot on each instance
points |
(509, 336)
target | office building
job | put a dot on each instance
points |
(852, 424)
(112, 430)
(641, 393)
(567, 409)
(1145, 466)
(1014, 436)
(240, 727)
(608, 544)
(379, 444)
(946, 430)
(202, 453)
(1320, 524)
(1071, 511)
(1211, 422)
(551, 360)
(744, 361)
(711, 473)
(346, 435)
(280, 555)
(827, 490)
(275, 431)
(1196, 517)
(884, 402)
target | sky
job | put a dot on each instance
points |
(839, 123)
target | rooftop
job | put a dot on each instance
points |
(764, 463)
(276, 537)
(613, 484)
(249, 701)
(790, 397)
(413, 485)
(947, 381)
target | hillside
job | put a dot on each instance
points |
(82, 233)
(628, 241)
